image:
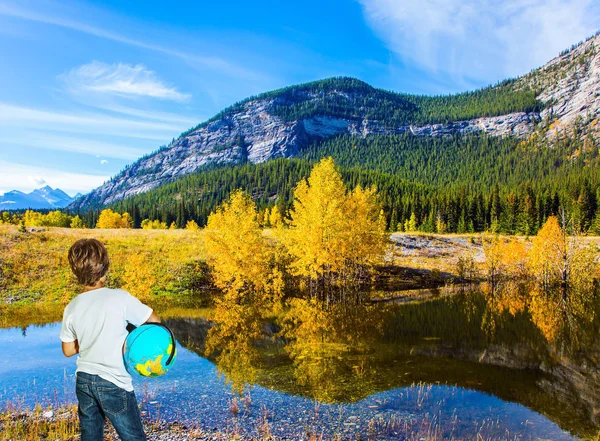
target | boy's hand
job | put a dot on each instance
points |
(71, 348)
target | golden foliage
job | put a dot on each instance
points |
(77, 222)
(53, 219)
(556, 258)
(333, 233)
(139, 276)
(241, 257)
(410, 225)
(192, 225)
(110, 219)
(148, 224)
(504, 259)
(275, 219)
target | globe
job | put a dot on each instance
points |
(149, 350)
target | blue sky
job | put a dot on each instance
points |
(88, 87)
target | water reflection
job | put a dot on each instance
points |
(451, 365)
(564, 316)
(506, 342)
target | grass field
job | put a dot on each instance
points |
(169, 264)
(147, 263)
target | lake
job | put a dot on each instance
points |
(452, 366)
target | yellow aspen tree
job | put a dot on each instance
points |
(316, 227)
(549, 255)
(333, 237)
(513, 258)
(148, 224)
(192, 225)
(77, 222)
(109, 219)
(440, 226)
(492, 248)
(365, 243)
(412, 223)
(237, 250)
(32, 218)
(275, 218)
(126, 220)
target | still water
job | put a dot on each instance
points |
(444, 368)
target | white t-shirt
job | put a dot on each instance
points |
(97, 319)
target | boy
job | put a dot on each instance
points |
(94, 326)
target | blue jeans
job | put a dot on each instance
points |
(98, 399)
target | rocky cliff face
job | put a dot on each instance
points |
(569, 84)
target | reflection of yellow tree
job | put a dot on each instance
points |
(508, 297)
(238, 326)
(565, 270)
(320, 342)
(547, 313)
(244, 268)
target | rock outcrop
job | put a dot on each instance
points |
(253, 131)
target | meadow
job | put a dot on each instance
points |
(148, 263)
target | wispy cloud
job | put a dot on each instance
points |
(120, 79)
(15, 176)
(216, 63)
(64, 143)
(103, 161)
(165, 117)
(93, 123)
(480, 40)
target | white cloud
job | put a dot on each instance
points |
(103, 161)
(14, 176)
(120, 79)
(481, 40)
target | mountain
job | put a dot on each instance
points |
(558, 100)
(39, 199)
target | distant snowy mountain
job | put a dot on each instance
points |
(41, 198)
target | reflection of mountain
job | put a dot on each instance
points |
(434, 342)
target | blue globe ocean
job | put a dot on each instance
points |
(149, 350)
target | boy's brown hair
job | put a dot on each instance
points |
(89, 261)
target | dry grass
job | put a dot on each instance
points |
(429, 251)
(39, 424)
(147, 263)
